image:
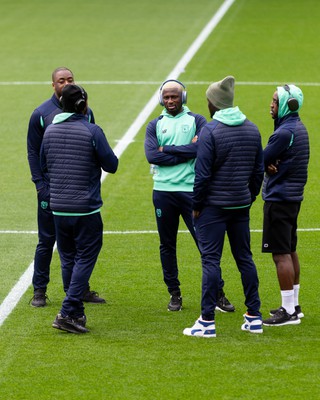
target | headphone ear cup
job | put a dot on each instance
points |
(80, 105)
(293, 104)
(161, 99)
(184, 97)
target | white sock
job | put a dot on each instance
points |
(288, 300)
(296, 289)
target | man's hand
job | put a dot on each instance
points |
(195, 139)
(195, 214)
(272, 169)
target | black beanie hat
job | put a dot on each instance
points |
(73, 99)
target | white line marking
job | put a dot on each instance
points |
(19, 289)
(158, 83)
(9, 232)
(141, 232)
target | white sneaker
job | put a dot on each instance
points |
(201, 328)
(252, 324)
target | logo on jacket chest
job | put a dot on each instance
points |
(184, 129)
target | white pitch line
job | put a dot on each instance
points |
(186, 231)
(142, 232)
(19, 289)
(158, 83)
(24, 282)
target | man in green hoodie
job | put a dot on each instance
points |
(171, 148)
(286, 159)
(228, 177)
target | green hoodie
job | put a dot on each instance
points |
(283, 96)
(61, 117)
(230, 116)
(175, 130)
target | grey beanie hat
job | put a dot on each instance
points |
(220, 94)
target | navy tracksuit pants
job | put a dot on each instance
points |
(47, 238)
(211, 226)
(79, 241)
(169, 206)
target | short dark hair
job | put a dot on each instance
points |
(60, 69)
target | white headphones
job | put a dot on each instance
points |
(183, 94)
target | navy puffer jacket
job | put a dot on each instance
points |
(229, 166)
(288, 149)
(74, 151)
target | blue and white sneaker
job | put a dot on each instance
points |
(201, 328)
(252, 324)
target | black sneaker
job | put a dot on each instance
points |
(281, 317)
(90, 296)
(81, 320)
(39, 298)
(297, 312)
(69, 324)
(175, 303)
(223, 304)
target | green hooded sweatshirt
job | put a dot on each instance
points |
(283, 96)
(175, 130)
(230, 116)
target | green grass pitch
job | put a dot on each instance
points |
(121, 52)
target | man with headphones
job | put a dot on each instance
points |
(40, 119)
(73, 152)
(286, 159)
(171, 149)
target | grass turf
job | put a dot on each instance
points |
(136, 349)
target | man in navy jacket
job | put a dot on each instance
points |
(40, 119)
(73, 152)
(286, 159)
(229, 174)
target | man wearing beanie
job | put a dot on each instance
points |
(228, 177)
(171, 148)
(40, 119)
(73, 152)
(286, 159)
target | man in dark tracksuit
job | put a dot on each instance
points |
(73, 152)
(40, 119)
(286, 159)
(171, 148)
(229, 174)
